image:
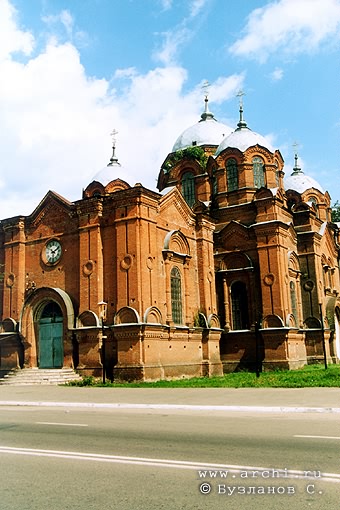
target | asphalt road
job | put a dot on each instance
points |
(64, 458)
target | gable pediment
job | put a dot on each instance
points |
(233, 235)
(174, 201)
(328, 243)
(262, 193)
(51, 209)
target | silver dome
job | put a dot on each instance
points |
(208, 131)
(300, 182)
(108, 173)
(243, 138)
(114, 170)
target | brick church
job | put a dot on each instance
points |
(232, 264)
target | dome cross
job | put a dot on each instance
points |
(241, 123)
(113, 159)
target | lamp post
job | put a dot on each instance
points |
(102, 314)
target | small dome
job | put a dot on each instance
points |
(243, 138)
(108, 173)
(300, 182)
(114, 170)
(208, 131)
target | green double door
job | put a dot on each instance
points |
(51, 352)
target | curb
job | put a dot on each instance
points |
(175, 407)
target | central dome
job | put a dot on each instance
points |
(208, 131)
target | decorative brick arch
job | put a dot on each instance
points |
(88, 319)
(272, 321)
(9, 325)
(293, 261)
(213, 321)
(291, 321)
(127, 315)
(236, 261)
(153, 315)
(175, 241)
(40, 297)
(312, 323)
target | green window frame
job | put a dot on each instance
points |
(176, 295)
(188, 188)
(214, 186)
(232, 174)
(258, 172)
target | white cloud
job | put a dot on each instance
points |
(289, 26)
(173, 40)
(182, 33)
(225, 87)
(64, 17)
(12, 39)
(166, 4)
(197, 6)
(128, 72)
(66, 21)
(277, 74)
(55, 121)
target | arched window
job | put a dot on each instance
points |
(313, 202)
(330, 277)
(188, 188)
(327, 273)
(176, 295)
(293, 301)
(232, 175)
(258, 172)
(214, 186)
(324, 275)
(239, 306)
(294, 287)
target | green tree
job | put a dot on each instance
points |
(336, 211)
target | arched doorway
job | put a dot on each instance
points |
(51, 352)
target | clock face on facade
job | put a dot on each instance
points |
(52, 251)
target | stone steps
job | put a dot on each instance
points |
(28, 376)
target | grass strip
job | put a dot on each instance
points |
(308, 377)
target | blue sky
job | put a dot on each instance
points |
(71, 71)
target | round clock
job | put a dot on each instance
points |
(52, 251)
